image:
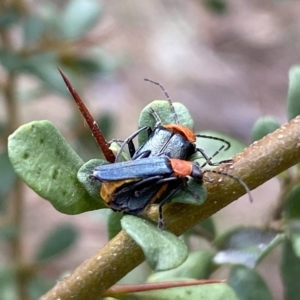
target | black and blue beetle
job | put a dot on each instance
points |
(159, 168)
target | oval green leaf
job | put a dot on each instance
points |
(8, 177)
(57, 242)
(79, 17)
(293, 101)
(33, 29)
(196, 194)
(114, 224)
(290, 272)
(264, 126)
(198, 265)
(9, 16)
(204, 228)
(162, 108)
(209, 226)
(245, 245)
(216, 6)
(38, 286)
(92, 186)
(163, 249)
(8, 282)
(46, 163)
(48, 74)
(292, 204)
(294, 235)
(248, 284)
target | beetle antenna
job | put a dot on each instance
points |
(215, 138)
(240, 181)
(168, 98)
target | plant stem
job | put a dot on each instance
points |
(15, 209)
(258, 163)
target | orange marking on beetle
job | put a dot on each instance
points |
(181, 168)
(182, 130)
(159, 193)
(109, 188)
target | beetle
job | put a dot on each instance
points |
(174, 140)
(135, 184)
(130, 186)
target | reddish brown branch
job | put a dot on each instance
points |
(122, 289)
(98, 135)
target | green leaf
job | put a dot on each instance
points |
(8, 177)
(248, 284)
(293, 101)
(33, 29)
(293, 228)
(295, 238)
(292, 203)
(106, 122)
(38, 286)
(163, 250)
(86, 65)
(114, 224)
(8, 288)
(8, 232)
(196, 194)
(48, 73)
(9, 17)
(208, 225)
(162, 108)
(216, 6)
(79, 17)
(96, 62)
(204, 228)
(198, 265)
(92, 186)
(57, 242)
(11, 60)
(45, 162)
(290, 272)
(245, 245)
(216, 291)
(264, 126)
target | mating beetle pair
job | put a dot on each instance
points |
(158, 169)
(144, 181)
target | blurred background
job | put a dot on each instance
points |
(227, 61)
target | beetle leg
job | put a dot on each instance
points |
(143, 154)
(208, 159)
(167, 199)
(128, 141)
